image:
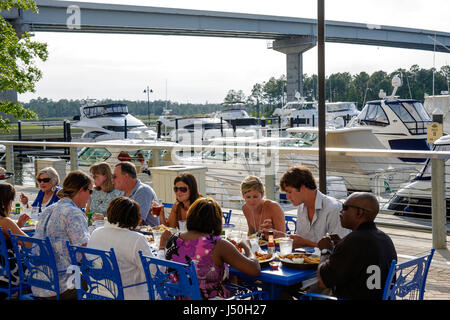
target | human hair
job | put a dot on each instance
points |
(297, 176)
(129, 168)
(52, 174)
(73, 183)
(125, 212)
(104, 169)
(7, 195)
(251, 183)
(205, 215)
(189, 179)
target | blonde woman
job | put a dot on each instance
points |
(260, 213)
(103, 192)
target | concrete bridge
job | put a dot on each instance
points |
(291, 36)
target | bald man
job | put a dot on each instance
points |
(356, 266)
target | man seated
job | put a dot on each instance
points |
(357, 266)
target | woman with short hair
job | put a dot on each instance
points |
(123, 216)
(48, 182)
(65, 221)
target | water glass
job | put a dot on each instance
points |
(182, 225)
(157, 237)
(34, 214)
(285, 246)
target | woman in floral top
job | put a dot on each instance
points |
(211, 254)
(103, 192)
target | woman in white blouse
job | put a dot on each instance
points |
(124, 215)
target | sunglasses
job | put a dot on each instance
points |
(182, 189)
(345, 207)
(90, 191)
(46, 180)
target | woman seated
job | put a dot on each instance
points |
(211, 254)
(186, 192)
(260, 213)
(7, 195)
(62, 222)
(124, 215)
(103, 191)
(48, 181)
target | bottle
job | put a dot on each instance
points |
(89, 215)
(270, 243)
(18, 208)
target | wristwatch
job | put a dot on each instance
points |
(325, 251)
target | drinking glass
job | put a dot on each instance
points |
(157, 237)
(156, 208)
(285, 246)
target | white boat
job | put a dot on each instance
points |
(102, 122)
(399, 124)
(239, 117)
(414, 199)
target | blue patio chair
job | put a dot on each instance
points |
(170, 280)
(167, 205)
(99, 273)
(404, 280)
(37, 264)
(227, 218)
(291, 219)
(407, 280)
(6, 260)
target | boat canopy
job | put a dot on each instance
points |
(105, 110)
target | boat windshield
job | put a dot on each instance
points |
(373, 114)
(106, 110)
(91, 155)
(413, 115)
(341, 107)
(425, 173)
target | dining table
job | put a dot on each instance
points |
(275, 280)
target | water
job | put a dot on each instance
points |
(23, 172)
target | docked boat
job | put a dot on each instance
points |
(399, 124)
(414, 199)
(110, 121)
(238, 117)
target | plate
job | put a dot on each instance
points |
(265, 262)
(291, 264)
(262, 242)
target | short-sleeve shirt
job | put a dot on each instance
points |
(143, 194)
(61, 222)
(325, 219)
(100, 200)
(355, 262)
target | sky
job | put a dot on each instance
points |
(203, 69)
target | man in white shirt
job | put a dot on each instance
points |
(317, 214)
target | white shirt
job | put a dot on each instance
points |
(126, 244)
(325, 219)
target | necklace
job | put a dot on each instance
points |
(256, 227)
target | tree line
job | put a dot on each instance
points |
(265, 97)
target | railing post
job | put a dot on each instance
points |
(438, 202)
(269, 176)
(73, 158)
(156, 158)
(9, 153)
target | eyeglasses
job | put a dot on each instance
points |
(345, 207)
(46, 180)
(182, 189)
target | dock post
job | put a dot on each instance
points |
(73, 158)
(269, 176)
(156, 158)
(9, 153)
(438, 202)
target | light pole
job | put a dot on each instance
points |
(148, 91)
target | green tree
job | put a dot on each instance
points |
(17, 62)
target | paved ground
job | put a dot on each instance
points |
(408, 243)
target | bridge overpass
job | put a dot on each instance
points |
(290, 35)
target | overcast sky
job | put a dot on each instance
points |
(200, 69)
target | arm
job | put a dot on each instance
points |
(227, 253)
(172, 219)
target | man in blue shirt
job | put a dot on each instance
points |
(125, 179)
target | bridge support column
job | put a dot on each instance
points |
(294, 48)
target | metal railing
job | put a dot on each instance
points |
(376, 170)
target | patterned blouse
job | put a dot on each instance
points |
(100, 200)
(210, 276)
(61, 222)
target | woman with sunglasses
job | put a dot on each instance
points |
(186, 192)
(48, 181)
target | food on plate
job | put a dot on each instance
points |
(263, 256)
(300, 258)
(161, 227)
(149, 238)
(2, 173)
(262, 242)
(144, 228)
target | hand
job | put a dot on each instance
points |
(299, 241)
(164, 238)
(245, 244)
(23, 198)
(325, 243)
(23, 218)
(97, 216)
(267, 224)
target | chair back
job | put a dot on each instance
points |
(37, 264)
(99, 273)
(167, 205)
(227, 216)
(5, 266)
(170, 280)
(407, 280)
(291, 219)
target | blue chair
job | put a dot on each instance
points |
(5, 267)
(37, 264)
(404, 280)
(99, 273)
(171, 280)
(407, 280)
(293, 220)
(167, 205)
(227, 218)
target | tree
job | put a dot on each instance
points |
(17, 62)
(234, 96)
